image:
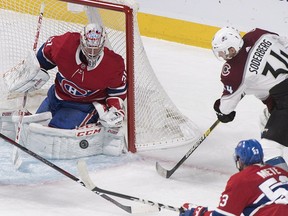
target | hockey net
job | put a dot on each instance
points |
(153, 121)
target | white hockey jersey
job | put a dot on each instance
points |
(261, 64)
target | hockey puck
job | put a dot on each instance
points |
(84, 144)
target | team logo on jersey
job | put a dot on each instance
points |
(72, 89)
(226, 69)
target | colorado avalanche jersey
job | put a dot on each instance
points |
(75, 81)
(261, 64)
(259, 190)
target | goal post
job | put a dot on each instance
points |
(153, 121)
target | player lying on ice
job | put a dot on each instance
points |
(257, 189)
(90, 87)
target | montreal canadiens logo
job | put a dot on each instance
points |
(72, 89)
(226, 70)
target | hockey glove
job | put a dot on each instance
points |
(112, 118)
(193, 210)
(26, 76)
(37, 82)
(111, 115)
(223, 117)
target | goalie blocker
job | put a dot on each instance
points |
(26, 76)
(64, 143)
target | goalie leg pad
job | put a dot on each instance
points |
(65, 143)
(9, 123)
(114, 143)
(68, 144)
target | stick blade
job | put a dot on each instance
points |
(144, 209)
(84, 175)
(162, 171)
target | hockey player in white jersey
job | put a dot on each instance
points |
(256, 64)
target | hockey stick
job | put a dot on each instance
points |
(129, 209)
(167, 173)
(17, 161)
(82, 168)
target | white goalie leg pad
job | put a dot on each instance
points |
(114, 142)
(9, 123)
(7, 127)
(55, 143)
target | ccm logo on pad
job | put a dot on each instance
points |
(88, 132)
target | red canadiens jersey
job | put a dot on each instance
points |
(75, 81)
(261, 64)
(259, 190)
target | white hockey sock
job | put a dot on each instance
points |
(279, 162)
(273, 153)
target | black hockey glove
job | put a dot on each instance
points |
(222, 117)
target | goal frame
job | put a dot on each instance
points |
(152, 119)
(131, 130)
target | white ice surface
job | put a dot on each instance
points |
(191, 77)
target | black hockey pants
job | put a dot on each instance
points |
(277, 126)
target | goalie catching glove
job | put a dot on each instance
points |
(192, 210)
(26, 76)
(111, 114)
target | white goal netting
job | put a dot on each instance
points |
(156, 121)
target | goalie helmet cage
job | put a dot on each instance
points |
(153, 121)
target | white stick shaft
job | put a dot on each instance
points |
(17, 161)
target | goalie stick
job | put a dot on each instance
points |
(83, 171)
(17, 161)
(129, 209)
(167, 173)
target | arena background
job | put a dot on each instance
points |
(194, 22)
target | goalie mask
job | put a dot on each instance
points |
(223, 42)
(92, 42)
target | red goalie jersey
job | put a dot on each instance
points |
(75, 81)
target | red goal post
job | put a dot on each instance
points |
(153, 121)
(128, 14)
